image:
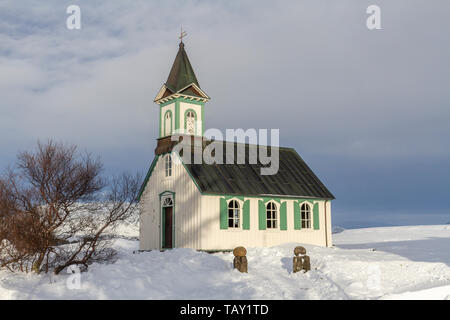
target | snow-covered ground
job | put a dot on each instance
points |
(374, 263)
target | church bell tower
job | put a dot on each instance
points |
(181, 100)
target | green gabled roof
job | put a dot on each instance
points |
(181, 75)
(293, 179)
(147, 177)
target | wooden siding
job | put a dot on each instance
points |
(215, 239)
(187, 209)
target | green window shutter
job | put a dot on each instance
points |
(262, 215)
(316, 216)
(283, 218)
(246, 215)
(223, 214)
(297, 220)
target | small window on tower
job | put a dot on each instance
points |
(168, 123)
(190, 122)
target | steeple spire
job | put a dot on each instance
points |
(182, 74)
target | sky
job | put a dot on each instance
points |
(368, 110)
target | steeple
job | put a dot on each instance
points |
(181, 75)
(181, 81)
(181, 100)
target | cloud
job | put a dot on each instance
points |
(336, 90)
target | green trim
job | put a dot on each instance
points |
(297, 216)
(266, 199)
(300, 201)
(147, 177)
(162, 229)
(234, 197)
(177, 115)
(283, 216)
(167, 103)
(262, 215)
(316, 216)
(160, 122)
(223, 214)
(195, 120)
(246, 215)
(203, 118)
(161, 117)
(181, 99)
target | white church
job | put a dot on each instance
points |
(221, 206)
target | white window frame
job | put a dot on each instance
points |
(276, 219)
(306, 223)
(168, 166)
(237, 207)
(193, 122)
(167, 125)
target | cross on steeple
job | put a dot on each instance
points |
(182, 35)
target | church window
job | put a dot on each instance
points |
(234, 214)
(168, 202)
(190, 122)
(168, 165)
(271, 214)
(168, 123)
(306, 216)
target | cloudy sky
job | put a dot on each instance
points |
(368, 110)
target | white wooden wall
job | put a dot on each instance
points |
(215, 238)
(186, 211)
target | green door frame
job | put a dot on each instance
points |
(162, 220)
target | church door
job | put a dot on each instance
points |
(168, 219)
(167, 223)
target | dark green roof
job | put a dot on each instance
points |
(181, 75)
(293, 179)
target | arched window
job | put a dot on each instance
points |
(306, 216)
(190, 122)
(168, 123)
(271, 214)
(168, 165)
(234, 214)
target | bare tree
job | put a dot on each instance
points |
(56, 209)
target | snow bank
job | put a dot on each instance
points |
(375, 263)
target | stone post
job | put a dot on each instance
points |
(240, 260)
(301, 261)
